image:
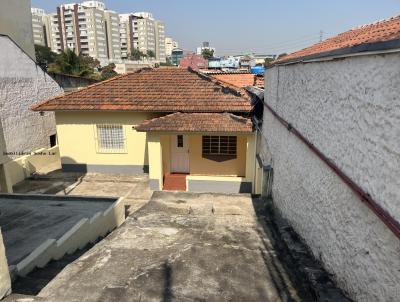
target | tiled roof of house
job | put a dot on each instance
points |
(197, 122)
(240, 80)
(382, 31)
(155, 90)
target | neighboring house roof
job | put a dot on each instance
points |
(154, 90)
(193, 61)
(197, 122)
(240, 80)
(370, 37)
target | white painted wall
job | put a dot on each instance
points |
(350, 110)
(23, 83)
(16, 22)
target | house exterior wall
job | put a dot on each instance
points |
(231, 176)
(23, 83)
(76, 135)
(203, 166)
(155, 152)
(349, 109)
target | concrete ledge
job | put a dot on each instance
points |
(218, 185)
(154, 184)
(82, 233)
(112, 169)
(38, 258)
(18, 196)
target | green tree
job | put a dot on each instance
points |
(68, 62)
(151, 54)
(268, 62)
(44, 56)
(90, 62)
(136, 54)
(108, 72)
(281, 55)
(167, 62)
(207, 53)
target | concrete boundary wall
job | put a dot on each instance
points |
(85, 231)
(218, 184)
(5, 280)
(18, 169)
(348, 109)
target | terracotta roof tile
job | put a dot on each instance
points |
(155, 90)
(197, 122)
(381, 31)
(240, 80)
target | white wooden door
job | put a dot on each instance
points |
(179, 154)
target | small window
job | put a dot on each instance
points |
(53, 140)
(110, 138)
(180, 141)
(220, 146)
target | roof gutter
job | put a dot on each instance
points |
(365, 197)
(392, 46)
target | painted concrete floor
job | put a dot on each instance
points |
(27, 223)
(179, 247)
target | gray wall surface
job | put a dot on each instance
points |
(350, 110)
(23, 83)
(16, 22)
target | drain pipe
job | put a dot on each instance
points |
(365, 197)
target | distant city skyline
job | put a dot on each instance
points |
(260, 26)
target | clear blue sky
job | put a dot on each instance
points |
(262, 26)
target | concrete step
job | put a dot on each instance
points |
(175, 182)
(36, 280)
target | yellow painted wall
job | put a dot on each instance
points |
(251, 158)
(155, 159)
(166, 153)
(203, 166)
(76, 136)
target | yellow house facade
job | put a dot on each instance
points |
(185, 131)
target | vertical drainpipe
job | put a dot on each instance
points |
(60, 27)
(77, 31)
(131, 31)
(107, 45)
(255, 164)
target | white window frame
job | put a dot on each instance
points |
(100, 147)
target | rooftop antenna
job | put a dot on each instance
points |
(321, 35)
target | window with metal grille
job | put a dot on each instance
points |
(220, 145)
(110, 138)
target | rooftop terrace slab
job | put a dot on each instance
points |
(27, 221)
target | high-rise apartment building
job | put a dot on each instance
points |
(170, 45)
(39, 24)
(88, 28)
(140, 31)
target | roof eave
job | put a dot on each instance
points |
(344, 52)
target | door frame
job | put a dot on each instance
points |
(173, 148)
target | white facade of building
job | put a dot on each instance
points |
(170, 45)
(39, 26)
(348, 109)
(140, 31)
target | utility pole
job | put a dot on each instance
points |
(321, 35)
